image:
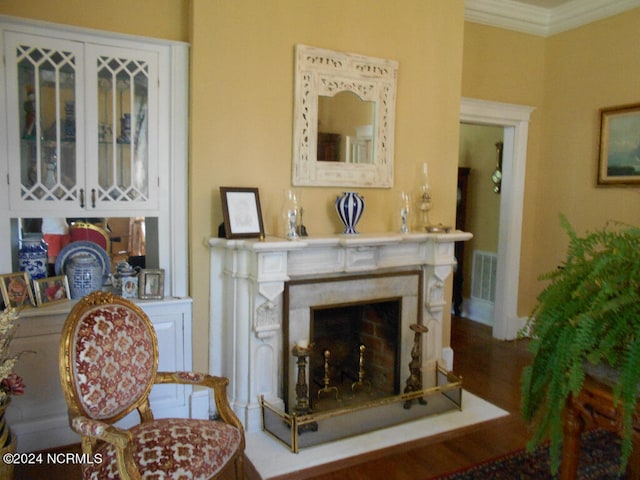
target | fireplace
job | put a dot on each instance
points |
(264, 296)
(339, 315)
(356, 350)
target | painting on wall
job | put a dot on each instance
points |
(619, 159)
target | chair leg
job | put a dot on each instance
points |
(573, 428)
(239, 466)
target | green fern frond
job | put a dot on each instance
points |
(589, 311)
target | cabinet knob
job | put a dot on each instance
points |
(93, 198)
(82, 198)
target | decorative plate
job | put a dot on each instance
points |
(84, 247)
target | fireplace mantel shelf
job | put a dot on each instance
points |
(280, 259)
(247, 290)
(366, 239)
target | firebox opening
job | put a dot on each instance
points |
(355, 355)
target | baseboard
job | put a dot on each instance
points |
(44, 433)
(479, 311)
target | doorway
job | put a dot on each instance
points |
(479, 185)
(515, 121)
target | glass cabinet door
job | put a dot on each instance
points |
(44, 83)
(126, 105)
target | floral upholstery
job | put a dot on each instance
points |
(113, 355)
(173, 449)
(108, 365)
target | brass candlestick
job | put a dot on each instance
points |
(414, 382)
(302, 389)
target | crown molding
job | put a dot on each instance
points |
(544, 22)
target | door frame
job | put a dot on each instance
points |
(515, 121)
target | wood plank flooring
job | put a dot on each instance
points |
(490, 369)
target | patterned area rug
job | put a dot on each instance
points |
(599, 460)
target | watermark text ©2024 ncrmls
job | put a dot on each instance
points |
(36, 458)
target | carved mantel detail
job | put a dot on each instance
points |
(268, 320)
(248, 278)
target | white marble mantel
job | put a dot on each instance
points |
(248, 278)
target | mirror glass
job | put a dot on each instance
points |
(344, 111)
(345, 129)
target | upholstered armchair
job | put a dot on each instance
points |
(108, 365)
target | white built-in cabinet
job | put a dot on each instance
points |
(83, 124)
(93, 124)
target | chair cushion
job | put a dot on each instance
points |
(173, 448)
(113, 360)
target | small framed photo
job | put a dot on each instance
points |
(619, 159)
(151, 283)
(129, 287)
(241, 211)
(16, 290)
(51, 290)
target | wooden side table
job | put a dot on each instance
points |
(594, 407)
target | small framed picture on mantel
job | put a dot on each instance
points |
(241, 212)
(619, 155)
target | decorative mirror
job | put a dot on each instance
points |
(344, 119)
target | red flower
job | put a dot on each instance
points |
(13, 385)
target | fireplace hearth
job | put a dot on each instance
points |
(263, 299)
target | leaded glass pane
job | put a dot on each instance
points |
(47, 88)
(123, 96)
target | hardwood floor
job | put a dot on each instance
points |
(490, 369)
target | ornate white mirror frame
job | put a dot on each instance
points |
(321, 72)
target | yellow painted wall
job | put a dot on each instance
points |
(167, 19)
(505, 66)
(241, 106)
(567, 78)
(589, 68)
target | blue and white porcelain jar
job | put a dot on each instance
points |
(84, 274)
(350, 206)
(33, 256)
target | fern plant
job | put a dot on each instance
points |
(589, 312)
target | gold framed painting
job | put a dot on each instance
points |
(51, 290)
(619, 152)
(16, 290)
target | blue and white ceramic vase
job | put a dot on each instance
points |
(33, 256)
(350, 206)
(84, 274)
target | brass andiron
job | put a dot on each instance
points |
(361, 381)
(414, 382)
(326, 379)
